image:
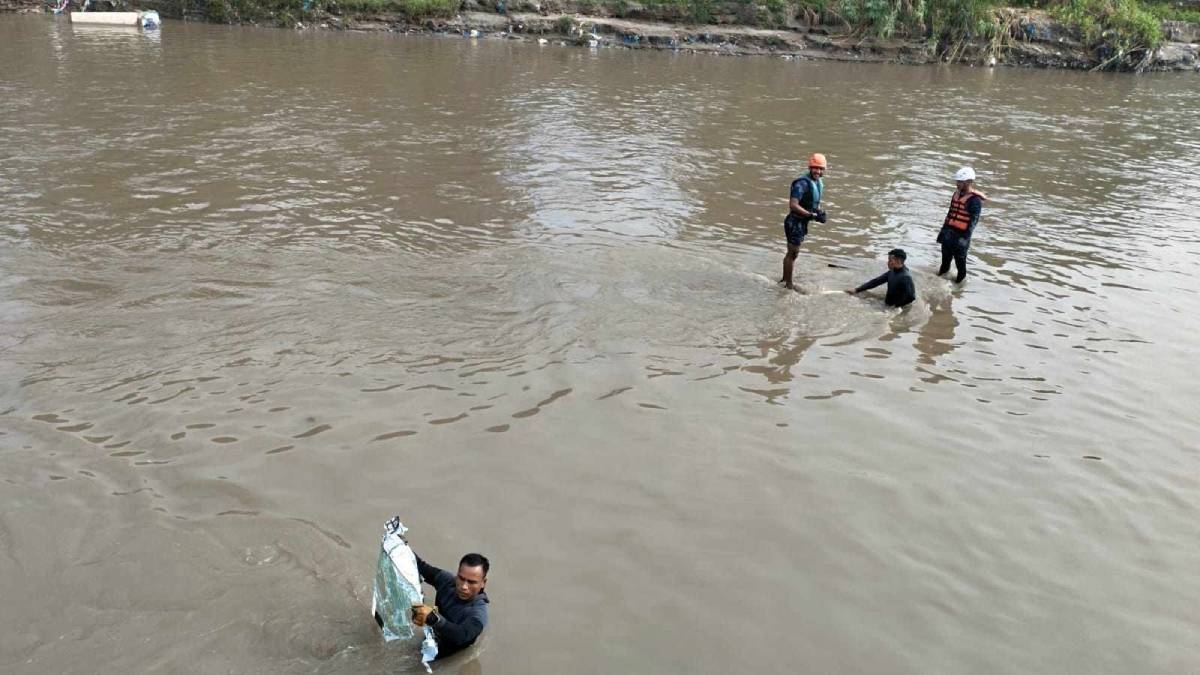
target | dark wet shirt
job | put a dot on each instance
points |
(459, 622)
(807, 191)
(900, 288)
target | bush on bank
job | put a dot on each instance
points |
(1123, 32)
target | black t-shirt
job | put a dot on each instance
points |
(900, 287)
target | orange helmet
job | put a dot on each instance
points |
(817, 160)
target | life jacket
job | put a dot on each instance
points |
(812, 196)
(958, 217)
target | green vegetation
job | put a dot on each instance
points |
(413, 9)
(880, 18)
(767, 13)
(1169, 11)
(235, 11)
(777, 10)
(937, 20)
(1123, 32)
(282, 12)
(694, 11)
(957, 20)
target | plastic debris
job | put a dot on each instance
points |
(398, 589)
(429, 649)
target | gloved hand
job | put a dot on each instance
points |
(820, 216)
(420, 613)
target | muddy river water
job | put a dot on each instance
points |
(260, 290)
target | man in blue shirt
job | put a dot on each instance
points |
(900, 288)
(804, 204)
(462, 604)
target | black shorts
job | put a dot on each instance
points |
(795, 230)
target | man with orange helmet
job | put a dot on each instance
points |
(804, 204)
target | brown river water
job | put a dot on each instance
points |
(261, 290)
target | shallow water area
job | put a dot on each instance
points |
(262, 290)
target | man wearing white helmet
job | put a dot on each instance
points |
(955, 237)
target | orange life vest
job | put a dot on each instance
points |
(958, 217)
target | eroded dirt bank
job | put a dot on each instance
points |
(1032, 39)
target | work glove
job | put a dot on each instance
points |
(820, 217)
(420, 613)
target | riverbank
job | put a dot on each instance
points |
(1034, 40)
(1009, 36)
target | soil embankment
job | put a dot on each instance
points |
(1033, 39)
(1025, 37)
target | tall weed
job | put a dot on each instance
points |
(1123, 32)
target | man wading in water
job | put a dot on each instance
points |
(804, 205)
(900, 288)
(462, 611)
(955, 237)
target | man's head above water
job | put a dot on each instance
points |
(472, 576)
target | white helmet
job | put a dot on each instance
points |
(965, 173)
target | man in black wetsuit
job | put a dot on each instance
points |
(462, 604)
(900, 288)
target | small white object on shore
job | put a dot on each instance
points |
(147, 19)
(107, 18)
